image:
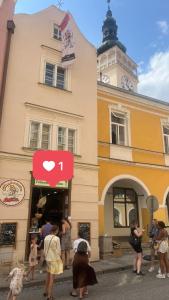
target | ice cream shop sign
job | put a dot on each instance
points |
(12, 192)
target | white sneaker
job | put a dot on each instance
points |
(160, 276)
(151, 269)
(168, 275)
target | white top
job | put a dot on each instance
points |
(77, 242)
(52, 249)
(17, 278)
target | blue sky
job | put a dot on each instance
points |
(143, 24)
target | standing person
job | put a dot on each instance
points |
(45, 230)
(162, 239)
(52, 251)
(66, 244)
(33, 257)
(75, 247)
(135, 242)
(16, 284)
(83, 274)
(152, 235)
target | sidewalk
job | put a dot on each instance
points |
(115, 264)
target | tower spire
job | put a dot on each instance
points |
(109, 29)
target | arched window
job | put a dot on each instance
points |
(132, 215)
(116, 215)
(125, 206)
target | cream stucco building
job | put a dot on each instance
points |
(48, 107)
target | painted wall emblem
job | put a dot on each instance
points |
(12, 192)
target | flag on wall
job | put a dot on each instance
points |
(68, 44)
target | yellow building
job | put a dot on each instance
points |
(133, 144)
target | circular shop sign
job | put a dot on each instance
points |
(12, 192)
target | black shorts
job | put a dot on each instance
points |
(138, 248)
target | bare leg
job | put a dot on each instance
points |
(47, 283)
(13, 297)
(135, 263)
(33, 272)
(50, 287)
(81, 292)
(63, 258)
(139, 262)
(9, 295)
(67, 258)
(162, 263)
(166, 262)
(152, 257)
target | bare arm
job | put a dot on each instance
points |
(138, 233)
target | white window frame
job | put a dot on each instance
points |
(164, 123)
(60, 37)
(119, 109)
(66, 83)
(118, 125)
(67, 129)
(40, 133)
(165, 135)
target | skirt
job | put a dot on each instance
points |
(83, 274)
(163, 248)
(55, 267)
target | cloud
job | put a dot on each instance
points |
(155, 81)
(164, 26)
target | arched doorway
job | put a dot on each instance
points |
(124, 200)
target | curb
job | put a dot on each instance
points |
(69, 277)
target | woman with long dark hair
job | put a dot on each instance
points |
(135, 242)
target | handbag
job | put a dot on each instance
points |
(134, 241)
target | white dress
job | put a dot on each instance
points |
(16, 281)
(163, 247)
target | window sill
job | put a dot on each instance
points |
(167, 159)
(55, 87)
(28, 149)
(120, 152)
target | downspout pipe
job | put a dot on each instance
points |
(10, 29)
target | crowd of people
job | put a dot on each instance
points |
(158, 244)
(54, 248)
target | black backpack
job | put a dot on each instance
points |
(82, 247)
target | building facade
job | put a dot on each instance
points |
(133, 156)
(6, 30)
(47, 106)
(133, 145)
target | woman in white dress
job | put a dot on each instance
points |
(162, 239)
(16, 284)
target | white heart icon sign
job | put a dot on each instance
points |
(48, 165)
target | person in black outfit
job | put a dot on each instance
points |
(135, 242)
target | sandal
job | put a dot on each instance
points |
(73, 295)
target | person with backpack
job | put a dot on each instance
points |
(83, 273)
(135, 242)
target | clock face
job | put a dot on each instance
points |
(105, 78)
(126, 83)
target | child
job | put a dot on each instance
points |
(33, 257)
(16, 284)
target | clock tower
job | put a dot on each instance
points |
(114, 66)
